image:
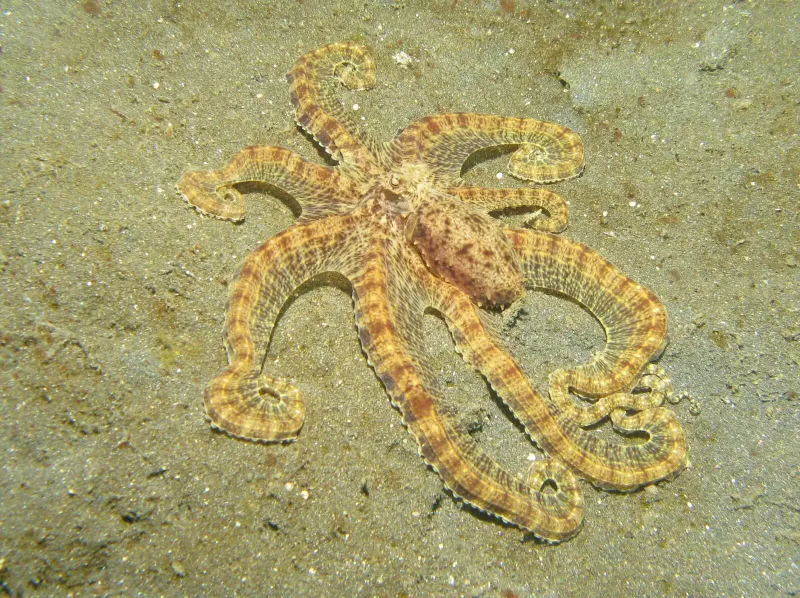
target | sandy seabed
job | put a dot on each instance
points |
(113, 292)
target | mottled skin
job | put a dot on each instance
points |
(411, 236)
(467, 249)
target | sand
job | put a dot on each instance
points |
(112, 296)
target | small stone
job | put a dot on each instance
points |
(403, 59)
(178, 569)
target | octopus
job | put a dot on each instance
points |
(413, 238)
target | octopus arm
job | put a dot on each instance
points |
(319, 190)
(491, 200)
(635, 325)
(390, 303)
(545, 152)
(318, 110)
(243, 400)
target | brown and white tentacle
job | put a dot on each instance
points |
(243, 399)
(319, 190)
(391, 297)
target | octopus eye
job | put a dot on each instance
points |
(411, 226)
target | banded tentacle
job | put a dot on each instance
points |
(242, 399)
(546, 152)
(391, 297)
(313, 79)
(321, 191)
(556, 425)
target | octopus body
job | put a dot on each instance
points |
(411, 236)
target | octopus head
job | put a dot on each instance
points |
(467, 249)
(413, 181)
